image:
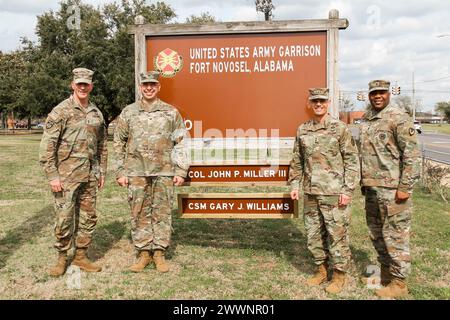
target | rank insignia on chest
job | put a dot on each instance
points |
(412, 131)
(333, 129)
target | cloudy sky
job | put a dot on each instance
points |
(386, 39)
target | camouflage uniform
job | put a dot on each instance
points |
(149, 141)
(326, 160)
(389, 162)
(73, 149)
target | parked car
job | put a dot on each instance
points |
(21, 124)
(37, 125)
(418, 126)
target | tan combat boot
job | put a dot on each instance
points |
(82, 261)
(319, 277)
(60, 267)
(384, 279)
(337, 282)
(396, 288)
(144, 259)
(160, 261)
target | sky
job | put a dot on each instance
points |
(385, 40)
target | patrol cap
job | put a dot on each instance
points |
(318, 93)
(381, 85)
(82, 75)
(151, 76)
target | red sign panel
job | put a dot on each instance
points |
(254, 82)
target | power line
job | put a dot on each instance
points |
(433, 79)
(435, 91)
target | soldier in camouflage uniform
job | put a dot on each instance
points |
(73, 154)
(149, 141)
(326, 160)
(389, 169)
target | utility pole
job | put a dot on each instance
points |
(413, 102)
(265, 6)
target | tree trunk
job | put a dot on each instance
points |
(10, 122)
(3, 119)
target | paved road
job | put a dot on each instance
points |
(435, 146)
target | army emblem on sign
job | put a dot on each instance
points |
(168, 62)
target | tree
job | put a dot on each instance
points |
(443, 108)
(266, 7)
(403, 102)
(205, 17)
(101, 44)
(12, 73)
(346, 104)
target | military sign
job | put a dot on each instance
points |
(246, 174)
(168, 62)
(229, 72)
(237, 205)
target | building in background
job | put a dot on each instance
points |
(351, 117)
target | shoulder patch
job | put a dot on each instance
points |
(53, 118)
(50, 124)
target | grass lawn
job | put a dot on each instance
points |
(210, 259)
(439, 128)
